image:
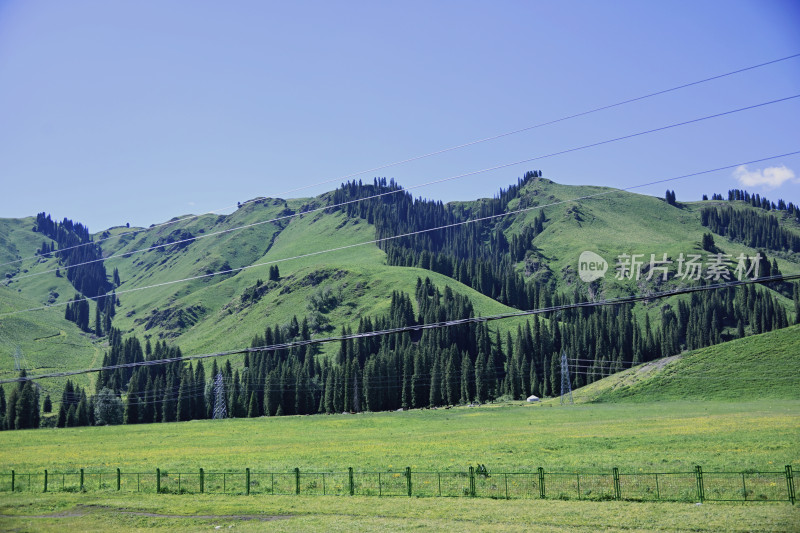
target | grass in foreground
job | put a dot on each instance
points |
(90, 512)
(662, 437)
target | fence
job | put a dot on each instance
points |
(696, 485)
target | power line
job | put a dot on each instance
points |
(386, 239)
(420, 327)
(405, 189)
(444, 150)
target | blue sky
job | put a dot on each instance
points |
(115, 112)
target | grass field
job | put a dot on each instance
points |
(101, 513)
(672, 436)
(664, 437)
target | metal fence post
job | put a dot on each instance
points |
(744, 488)
(701, 494)
(617, 491)
(789, 483)
(45, 480)
(13, 479)
(541, 483)
(352, 485)
(158, 480)
(82, 489)
(119, 479)
(247, 479)
(472, 481)
(408, 479)
(297, 480)
(202, 481)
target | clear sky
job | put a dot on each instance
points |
(115, 112)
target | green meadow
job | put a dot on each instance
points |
(635, 437)
(510, 437)
(94, 512)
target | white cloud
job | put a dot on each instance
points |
(769, 178)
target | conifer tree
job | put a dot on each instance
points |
(61, 421)
(198, 402)
(797, 303)
(97, 322)
(329, 391)
(408, 372)
(132, 415)
(252, 408)
(3, 408)
(82, 412)
(435, 396)
(481, 385)
(467, 371)
(451, 378)
(169, 404)
(183, 409)
(27, 408)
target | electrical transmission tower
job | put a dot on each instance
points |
(566, 386)
(220, 410)
(17, 357)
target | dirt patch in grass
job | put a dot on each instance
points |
(83, 510)
(659, 364)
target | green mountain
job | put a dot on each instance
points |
(204, 284)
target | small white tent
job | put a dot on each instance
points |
(533, 398)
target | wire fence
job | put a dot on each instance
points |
(691, 486)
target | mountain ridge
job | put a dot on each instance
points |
(214, 312)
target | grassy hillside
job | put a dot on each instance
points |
(615, 223)
(357, 275)
(208, 313)
(47, 343)
(760, 366)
